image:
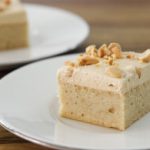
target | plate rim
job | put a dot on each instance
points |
(7, 126)
(5, 64)
(36, 141)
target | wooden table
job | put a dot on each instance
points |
(127, 22)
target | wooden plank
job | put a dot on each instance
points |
(129, 38)
(22, 146)
(7, 137)
(126, 22)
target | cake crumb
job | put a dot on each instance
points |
(111, 110)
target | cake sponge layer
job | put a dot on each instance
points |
(13, 35)
(104, 108)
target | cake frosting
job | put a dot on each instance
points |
(13, 13)
(94, 75)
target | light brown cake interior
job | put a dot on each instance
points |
(104, 108)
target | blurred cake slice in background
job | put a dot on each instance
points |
(106, 86)
(13, 25)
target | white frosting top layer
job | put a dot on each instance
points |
(13, 13)
(94, 76)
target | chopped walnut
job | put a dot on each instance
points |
(87, 60)
(114, 71)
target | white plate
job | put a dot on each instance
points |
(51, 31)
(29, 109)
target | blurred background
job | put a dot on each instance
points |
(123, 21)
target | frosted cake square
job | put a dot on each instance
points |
(105, 86)
(13, 25)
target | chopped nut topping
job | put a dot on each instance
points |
(138, 71)
(109, 61)
(70, 64)
(90, 47)
(130, 56)
(114, 56)
(106, 57)
(145, 59)
(91, 50)
(112, 45)
(115, 48)
(114, 71)
(117, 52)
(87, 60)
(92, 55)
(103, 50)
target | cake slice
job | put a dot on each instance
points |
(13, 25)
(106, 86)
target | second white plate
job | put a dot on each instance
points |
(29, 109)
(51, 31)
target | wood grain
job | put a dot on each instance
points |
(127, 22)
(22, 146)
